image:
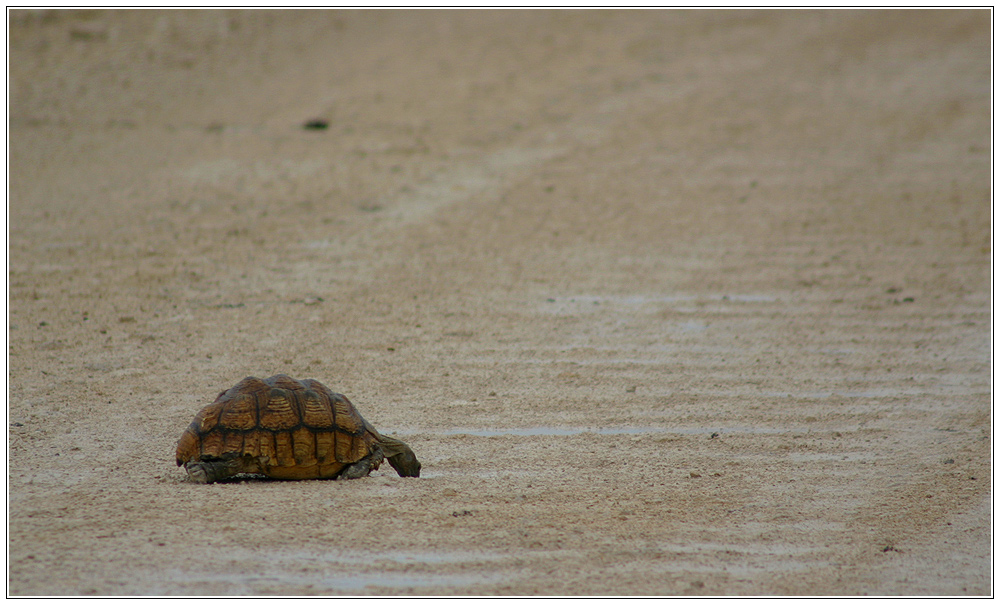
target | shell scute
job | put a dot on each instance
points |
(345, 416)
(303, 446)
(207, 419)
(267, 448)
(284, 381)
(278, 412)
(347, 448)
(284, 454)
(239, 413)
(212, 444)
(233, 442)
(316, 413)
(325, 443)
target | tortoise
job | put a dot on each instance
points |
(286, 429)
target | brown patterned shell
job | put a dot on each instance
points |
(294, 429)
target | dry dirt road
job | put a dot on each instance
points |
(667, 303)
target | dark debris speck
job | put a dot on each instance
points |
(316, 124)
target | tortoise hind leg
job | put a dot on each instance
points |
(216, 469)
(362, 467)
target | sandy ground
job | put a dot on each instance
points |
(667, 303)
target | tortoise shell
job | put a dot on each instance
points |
(286, 429)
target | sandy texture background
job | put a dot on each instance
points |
(667, 303)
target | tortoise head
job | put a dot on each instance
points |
(405, 463)
(400, 456)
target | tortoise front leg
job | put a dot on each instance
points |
(362, 467)
(217, 469)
